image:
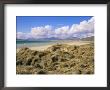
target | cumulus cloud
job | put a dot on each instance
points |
(21, 35)
(83, 29)
(62, 30)
(42, 32)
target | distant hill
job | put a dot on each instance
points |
(19, 39)
(53, 38)
(72, 38)
(88, 38)
(47, 39)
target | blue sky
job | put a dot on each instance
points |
(25, 24)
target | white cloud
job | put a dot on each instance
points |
(84, 26)
(41, 32)
(62, 30)
(21, 35)
(84, 29)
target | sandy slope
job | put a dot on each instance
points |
(40, 48)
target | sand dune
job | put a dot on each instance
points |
(57, 59)
(41, 48)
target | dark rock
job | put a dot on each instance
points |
(83, 66)
(42, 72)
(38, 66)
(19, 62)
(28, 62)
(55, 58)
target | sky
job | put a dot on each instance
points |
(61, 27)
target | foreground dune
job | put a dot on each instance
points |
(56, 59)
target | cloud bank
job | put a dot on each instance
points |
(81, 30)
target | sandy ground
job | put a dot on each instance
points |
(40, 48)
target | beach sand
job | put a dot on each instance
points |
(41, 48)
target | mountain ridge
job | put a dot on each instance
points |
(53, 38)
